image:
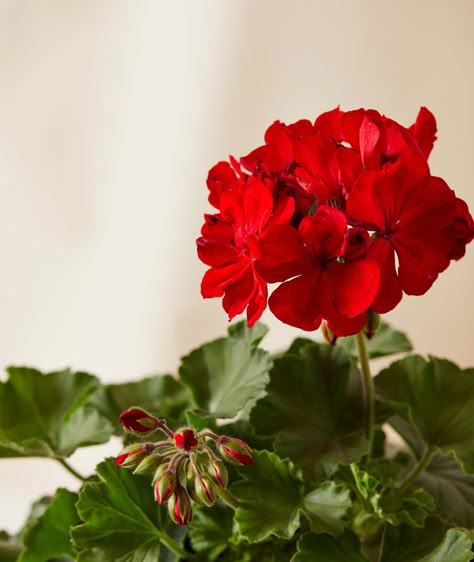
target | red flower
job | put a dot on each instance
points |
(326, 286)
(229, 244)
(185, 439)
(411, 221)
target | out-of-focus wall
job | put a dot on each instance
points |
(111, 113)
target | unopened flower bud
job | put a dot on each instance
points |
(179, 507)
(328, 334)
(372, 323)
(148, 464)
(138, 421)
(205, 490)
(234, 450)
(185, 439)
(219, 472)
(133, 454)
(165, 485)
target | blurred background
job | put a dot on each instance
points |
(111, 114)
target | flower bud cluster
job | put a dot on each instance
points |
(185, 468)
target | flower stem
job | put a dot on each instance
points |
(418, 468)
(69, 468)
(227, 497)
(171, 545)
(367, 390)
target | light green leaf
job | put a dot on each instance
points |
(270, 498)
(228, 374)
(386, 341)
(162, 395)
(122, 521)
(49, 415)
(432, 543)
(314, 409)
(436, 398)
(346, 548)
(47, 536)
(326, 508)
(390, 504)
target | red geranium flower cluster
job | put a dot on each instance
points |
(343, 212)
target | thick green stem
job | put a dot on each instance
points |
(226, 496)
(171, 545)
(69, 468)
(9, 551)
(367, 389)
(418, 468)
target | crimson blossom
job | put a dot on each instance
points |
(343, 213)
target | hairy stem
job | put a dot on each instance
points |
(418, 468)
(171, 545)
(367, 389)
(70, 469)
(227, 497)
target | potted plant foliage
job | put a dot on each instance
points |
(303, 455)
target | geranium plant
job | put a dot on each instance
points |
(301, 455)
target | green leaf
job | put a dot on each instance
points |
(451, 488)
(390, 504)
(346, 548)
(228, 374)
(122, 521)
(314, 409)
(270, 498)
(386, 341)
(162, 395)
(49, 415)
(432, 543)
(210, 531)
(326, 508)
(9, 547)
(47, 536)
(436, 398)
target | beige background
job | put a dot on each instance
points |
(111, 113)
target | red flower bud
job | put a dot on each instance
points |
(185, 439)
(219, 471)
(234, 450)
(179, 507)
(328, 334)
(372, 323)
(136, 420)
(205, 490)
(133, 454)
(165, 486)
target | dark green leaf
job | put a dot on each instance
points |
(47, 537)
(436, 398)
(451, 488)
(122, 521)
(432, 543)
(326, 508)
(228, 374)
(162, 395)
(312, 548)
(49, 415)
(210, 531)
(314, 409)
(386, 341)
(270, 498)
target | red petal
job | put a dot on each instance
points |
(424, 130)
(296, 303)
